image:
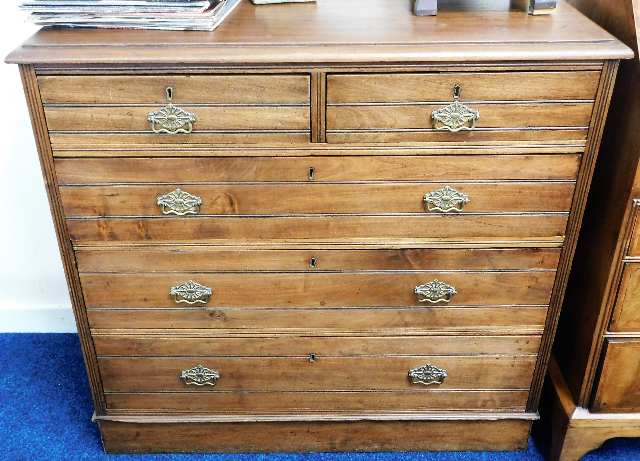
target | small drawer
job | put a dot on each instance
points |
(363, 199)
(316, 290)
(626, 314)
(241, 259)
(176, 109)
(634, 244)
(618, 389)
(460, 106)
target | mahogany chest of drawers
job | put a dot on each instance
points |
(321, 227)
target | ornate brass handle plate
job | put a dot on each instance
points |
(179, 202)
(427, 375)
(171, 119)
(445, 200)
(435, 292)
(200, 376)
(456, 116)
(191, 293)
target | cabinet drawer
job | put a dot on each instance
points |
(322, 374)
(618, 389)
(266, 199)
(503, 319)
(176, 109)
(626, 314)
(438, 168)
(321, 290)
(210, 345)
(215, 259)
(489, 106)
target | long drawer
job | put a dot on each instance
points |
(317, 290)
(280, 373)
(266, 199)
(177, 109)
(318, 374)
(422, 107)
(222, 259)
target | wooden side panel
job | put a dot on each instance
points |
(317, 290)
(618, 389)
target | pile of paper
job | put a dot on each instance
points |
(130, 14)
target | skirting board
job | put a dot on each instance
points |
(125, 437)
(37, 320)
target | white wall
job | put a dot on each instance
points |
(33, 291)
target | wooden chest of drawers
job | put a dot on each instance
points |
(296, 233)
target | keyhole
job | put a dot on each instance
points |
(169, 91)
(312, 357)
(313, 263)
(457, 91)
(312, 173)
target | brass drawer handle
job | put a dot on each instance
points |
(445, 200)
(191, 293)
(171, 119)
(456, 116)
(179, 202)
(200, 376)
(428, 375)
(435, 292)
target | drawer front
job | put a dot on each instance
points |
(510, 319)
(346, 228)
(618, 389)
(312, 402)
(634, 245)
(492, 106)
(322, 374)
(176, 109)
(136, 345)
(266, 199)
(214, 259)
(321, 290)
(438, 168)
(626, 314)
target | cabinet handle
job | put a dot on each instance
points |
(435, 292)
(191, 293)
(445, 200)
(179, 202)
(456, 116)
(171, 119)
(200, 376)
(428, 375)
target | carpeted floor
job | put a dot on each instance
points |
(45, 413)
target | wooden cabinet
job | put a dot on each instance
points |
(593, 393)
(320, 227)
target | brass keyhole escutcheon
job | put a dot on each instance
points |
(312, 357)
(312, 173)
(313, 263)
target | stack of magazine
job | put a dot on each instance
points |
(130, 14)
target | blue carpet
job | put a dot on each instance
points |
(45, 413)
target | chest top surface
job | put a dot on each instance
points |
(337, 31)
